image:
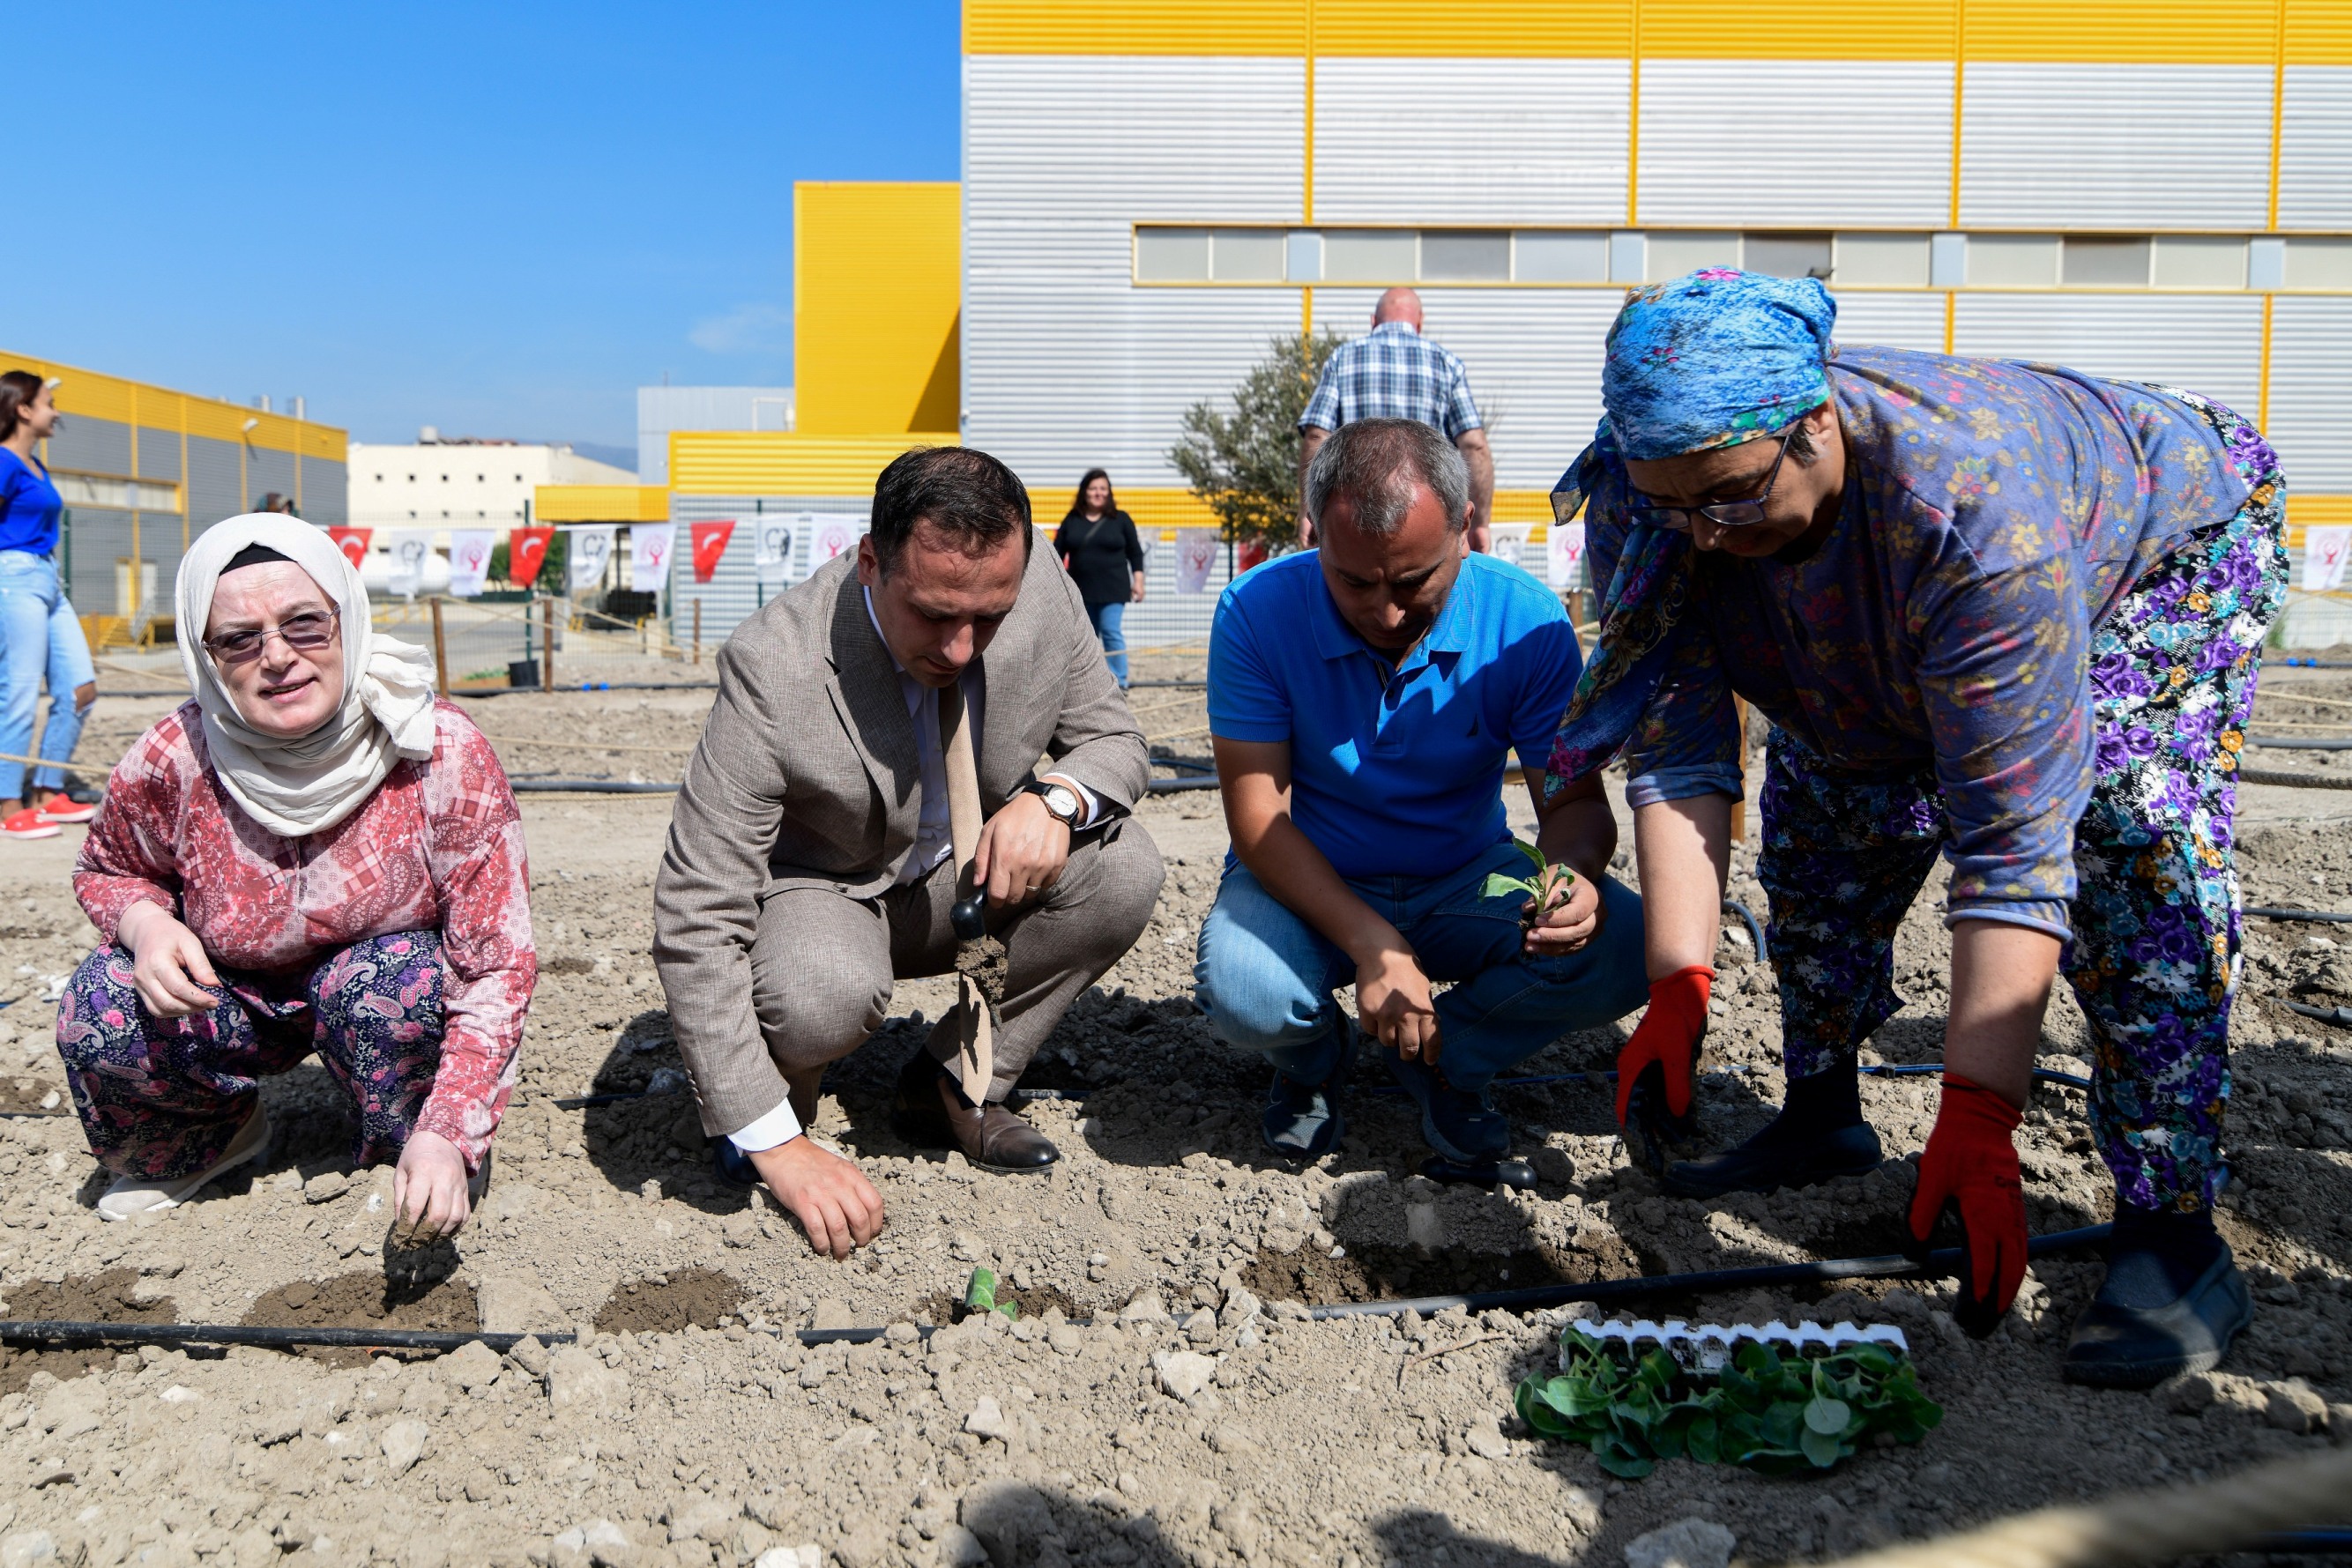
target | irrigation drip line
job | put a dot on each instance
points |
(2292, 780)
(67, 1331)
(2299, 915)
(2276, 745)
(2304, 1540)
(2340, 1017)
(1755, 926)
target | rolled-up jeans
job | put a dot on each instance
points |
(1266, 978)
(1110, 628)
(39, 636)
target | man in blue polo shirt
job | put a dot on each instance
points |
(1364, 697)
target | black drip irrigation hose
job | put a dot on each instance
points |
(66, 1331)
(2265, 741)
(2340, 1017)
(2313, 914)
(1755, 926)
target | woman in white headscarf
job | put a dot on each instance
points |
(312, 854)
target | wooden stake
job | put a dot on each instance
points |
(440, 650)
(698, 629)
(547, 639)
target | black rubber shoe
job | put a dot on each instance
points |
(1458, 1124)
(2121, 1345)
(1765, 1163)
(1302, 1121)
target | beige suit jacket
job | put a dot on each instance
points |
(807, 776)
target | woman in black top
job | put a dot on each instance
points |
(1100, 550)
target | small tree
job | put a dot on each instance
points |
(1243, 466)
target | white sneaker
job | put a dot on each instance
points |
(141, 1194)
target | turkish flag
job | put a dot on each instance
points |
(527, 548)
(352, 542)
(710, 543)
(1252, 553)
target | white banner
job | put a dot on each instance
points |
(1196, 556)
(2323, 549)
(410, 550)
(649, 545)
(831, 533)
(469, 560)
(773, 539)
(1564, 557)
(1509, 543)
(589, 550)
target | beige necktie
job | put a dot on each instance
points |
(975, 1063)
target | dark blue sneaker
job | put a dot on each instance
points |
(2136, 1331)
(1461, 1126)
(1767, 1164)
(1302, 1121)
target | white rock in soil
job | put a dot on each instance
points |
(704, 1518)
(326, 1187)
(576, 1379)
(1146, 1308)
(473, 1366)
(987, 1419)
(39, 1549)
(958, 1548)
(1487, 1440)
(529, 1355)
(403, 1444)
(608, 1545)
(1065, 1340)
(70, 1409)
(1685, 1543)
(1241, 1307)
(1200, 1327)
(179, 1393)
(1183, 1372)
(509, 1303)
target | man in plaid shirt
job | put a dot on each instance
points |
(1394, 373)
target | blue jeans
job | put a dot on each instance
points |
(39, 635)
(1107, 618)
(1265, 977)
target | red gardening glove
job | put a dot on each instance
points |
(1668, 1035)
(1972, 1166)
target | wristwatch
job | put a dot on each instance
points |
(1060, 800)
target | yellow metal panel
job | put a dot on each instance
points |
(876, 289)
(600, 504)
(2314, 512)
(2318, 33)
(1522, 506)
(1151, 509)
(214, 420)
(1138, 26)
(1830, 30)
(1503, 30)
(98, 396)
(2124, 32)
(772, 463)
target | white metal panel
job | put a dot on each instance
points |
(2316, 148)
(1066, 363)
(2115, 146)
(2206, 343)
(1534, 360)
(1891, 320)
(2311, 393)
(1724, 141)
(1470, 140)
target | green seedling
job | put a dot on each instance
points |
(980, 1295)
(1773, 1413)
(1545, 891)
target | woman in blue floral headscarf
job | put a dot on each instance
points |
(2008, 612)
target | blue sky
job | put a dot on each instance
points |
(495, 218)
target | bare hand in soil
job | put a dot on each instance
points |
(1020, 853)
(1393, 1005)
(830, 1197)
(168, 963)
(1572, 922)
(428, 1191)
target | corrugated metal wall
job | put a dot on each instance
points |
(2208, 344)
(2315, 148)
(1827, 142)
(2115, 146)
(159, 453)
(100, 536)
(1471, 140)
(326, 492)
(265, 471)
(96, 445)
(2311, 393)
(214, 485)
(1891, 320)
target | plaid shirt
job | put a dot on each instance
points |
(1393, 372)
(438, 847)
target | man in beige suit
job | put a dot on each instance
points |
(874, 756)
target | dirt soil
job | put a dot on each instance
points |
(691, 1430)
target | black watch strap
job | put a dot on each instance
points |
(1042, 789)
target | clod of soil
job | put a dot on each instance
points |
(102, 1298)
(32, 1097)
(365, 1300)
(666, 1303)
(1376, 1273)
(940, 1308)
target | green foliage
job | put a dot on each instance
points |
(1244, 464)
(1548, 887)
(1772, 1413)
(980, 1295)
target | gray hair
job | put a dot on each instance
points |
(1377, 462)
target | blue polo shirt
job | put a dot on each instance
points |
(29, 505)
(1396, 770)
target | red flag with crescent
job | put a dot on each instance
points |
(352, 542)
(524, 554)
(709, 544)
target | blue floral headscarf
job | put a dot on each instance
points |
(1716, 358)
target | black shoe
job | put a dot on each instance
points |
(1302, 1121)
(1458, 1124)
(1767, 1163)
(2119, 1342)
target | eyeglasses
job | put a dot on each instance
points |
(1648, 514)
(310, 629)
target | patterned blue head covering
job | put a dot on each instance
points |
(1714, 358)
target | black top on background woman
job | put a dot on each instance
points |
(1102, 552)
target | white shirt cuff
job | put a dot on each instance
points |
(778, 1126)
(1087, 798)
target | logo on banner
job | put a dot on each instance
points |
(832, 537)
(591, 553)
(525, 550)
(352, 542)
(2324, 550)
(1564, 555)
(469, 560)
(1196, 557)
(710, 543)
(649, 545)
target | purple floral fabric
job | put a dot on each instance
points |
(162, 1098)
(2154, 958)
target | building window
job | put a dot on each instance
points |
(1884, 261)
(2105, 261)
(2319, 264)
(2199, 261)
(1458, 255)
(1171, 255)
(1371, 255)
(2012, 261)
(1787, 256)
(1538, 256)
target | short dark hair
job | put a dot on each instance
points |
(17, 388)
(1376, 462)
(968, 497)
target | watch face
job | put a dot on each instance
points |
(1062, 803)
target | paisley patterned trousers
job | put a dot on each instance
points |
(163, 1097)
(2154, 958)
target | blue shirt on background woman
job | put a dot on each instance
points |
(40, 635)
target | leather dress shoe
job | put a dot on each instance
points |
(1768, 1165)
(931, 1112)
(2126, 1343)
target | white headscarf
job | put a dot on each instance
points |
(294, 787)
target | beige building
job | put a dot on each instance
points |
(461, 483)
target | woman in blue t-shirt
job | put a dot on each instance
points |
(38, 631)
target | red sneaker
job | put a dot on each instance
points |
(28, 823)
(64, 809)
